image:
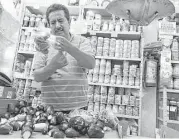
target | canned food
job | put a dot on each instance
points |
(140, 29)
(105, 26)
(90, 89)
(175, 45)
(104, 90)
(115, 109)
(137, 102)
(108, 67)
(111, 91)
(121, 91)
(95, 78)
(132, 100)
(133, 28)
(101, 78)
(113, 79)
(128, 110)
(103, 99)
(176, 83)
(175, 55)
(118, 99)
(122, 110)
(125, 25)
(125, 100)
(117, 70)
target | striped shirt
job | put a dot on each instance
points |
(67, 88)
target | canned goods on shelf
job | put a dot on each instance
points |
(95, 78)
(122, 110)
(111, 91)
(121, 91)
(101, 78)
(107, 79)
(176, 83)
(104, 99)
(110, 99)
(125, 100)
(174, 45)
(132, 100)
(115, 108)
(109, 107)
(118, 99)
(104, 90)
(133, 28)
(113, 79)
(96, 25)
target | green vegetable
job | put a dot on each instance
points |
(63, 126)
(100, 124)
(78, 123)
(71, 133)
(95, 131)
(60, 117)
(58, 134)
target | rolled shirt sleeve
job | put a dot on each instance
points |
(39, 60)
(86, 47)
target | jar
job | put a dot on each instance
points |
(107, 79)
(117, 70)
(32, 20)
(104, 99)
(119, 80)
(89, 15)
(102, 107)
(101, 78)
(26, 21)
(132, 100)
(44, 21)
(137, 81)
(125, 100)
(113, 79)
(111, 26)
(176, 83)
(38, 20)
(105, 26)
(131, 81)
(96, 25)
(174, 45)
(118, 27)
(122, 110)
(97, 17)
(176, 70)
(104, 90)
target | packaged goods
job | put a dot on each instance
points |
(97, 90)
(95, 78)
(101, 78)
(137, 102)
(133, 28)
(96, 70)
(176, 70)
(117, 70)
(110, 99)
(111, 26)
(105, 26)
(132, 70)
(132, 100)
(107, 79)
(125, 100)
(135, 49)
(122, 110)
(90, 15)
(113, 79)
(175, 44)
(117, 99)
(115, 108)
(104, 99)
(125, 80)
(108, 107)
(97, 25)
(119, 80)
(102, 107)
(111, 91)
(137, 81)
(121, 91)
(140, 29)
(90, 106)
(32, 20)
(99, 51)
(108, 67)
(125, 25)
(118, 27)
(38, 20)
(90, 77)
(128, 110)
(131, 81)
(96, 97)
(90, 97)
(176, 83)
(175, 55)
(26, 21)
(135, 111)
(104, 90)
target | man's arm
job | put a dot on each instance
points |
(84, 54)
(57, 62)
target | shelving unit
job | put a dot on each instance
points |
(123, 35)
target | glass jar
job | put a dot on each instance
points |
(105, 26)
(26, 21)
(176, 83)
(113, 79)
(32, 20)
(176, 70)
(38, 20)
(107, 79)
(101, 78)
(118, 27)
(44, 21)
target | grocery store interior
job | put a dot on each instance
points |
(89, 69)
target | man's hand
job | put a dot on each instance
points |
(62, 44)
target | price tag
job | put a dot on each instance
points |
(166, 27)
(1, 91)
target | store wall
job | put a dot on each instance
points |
(148, 121)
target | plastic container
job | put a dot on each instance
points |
(26, 21)
(38, 20)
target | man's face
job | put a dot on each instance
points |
(59, 24)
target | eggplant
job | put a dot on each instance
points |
(52, 131)
(16, 110)
(24, 110)
(77, 122)
(53, 120)
(100, 123)
(72, 133)
(40, 108)
(95, 131)
(28, 118)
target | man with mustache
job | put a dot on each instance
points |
(62, 67)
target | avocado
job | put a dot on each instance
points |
(95, 131)
(63, 126)
(58, 134)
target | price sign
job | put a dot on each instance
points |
(166, 27)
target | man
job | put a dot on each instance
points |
(63, 74)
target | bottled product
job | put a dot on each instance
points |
(111, 26)
(89, 15)
(101, 78)
(26, 21)
(117, 70)
(38, 20)
(97, 25)
(105, 26)
(113, 79)
(119, 80)
(107, 79)
(125, 99)
(108, 67)
(176, 83)
(115, 109)
(118, 27)
(104, 90)
(118, 99)
(111, 91)
(32, 20)
(176, 70)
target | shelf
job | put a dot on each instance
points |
(121, 35)
(173, 122)
(170, 90)
(114, 58)
(170, 34)
(73, 10)
(26, 52)
(98, 10)
(174, 62)
(120, 86)
(127, 116)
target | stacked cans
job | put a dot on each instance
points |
(135, 49)
(132, 74)
(108, 72)
(174, 48)
(125, 73)
(106, 47)
(102, 70)
(137, 78)
(119, 48)
(100, 46)
(94, 42)
(96, 71)
(104, 93)
(112, 47)
(127, 49)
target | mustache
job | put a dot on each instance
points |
(59, 29)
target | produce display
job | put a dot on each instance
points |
(44, 119)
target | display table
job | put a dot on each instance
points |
(37, 135)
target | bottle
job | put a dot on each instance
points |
(32, 20)
(26, 21)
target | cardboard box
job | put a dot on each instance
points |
(7, 92)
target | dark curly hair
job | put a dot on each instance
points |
(57, 7)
